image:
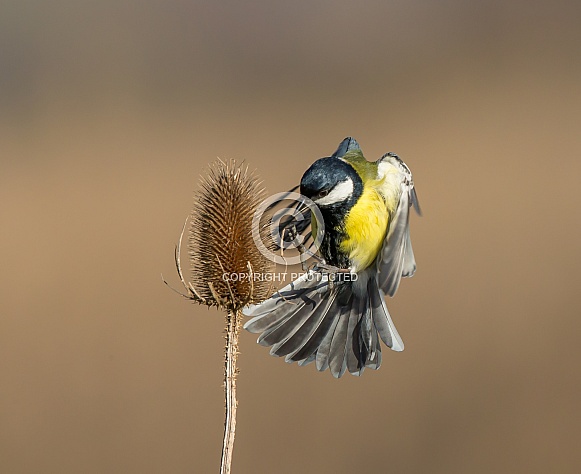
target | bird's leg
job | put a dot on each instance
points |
(323, 267)
(334, 274)
(292, 233)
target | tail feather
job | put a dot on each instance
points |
(375, 358)
(335, 325)
(356, 356)
(365, 340)
(365, 337)
(382, 320)
(353, 356)
(324, 350)
(306, 361)
(337, 352)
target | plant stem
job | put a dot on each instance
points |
(233, 320)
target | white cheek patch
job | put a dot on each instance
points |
(341, 192)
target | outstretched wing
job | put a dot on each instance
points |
(348, 144)
(396, 259)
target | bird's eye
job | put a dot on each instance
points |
(323, 193)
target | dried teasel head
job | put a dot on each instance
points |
(226, 265)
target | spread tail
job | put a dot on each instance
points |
(336, 324)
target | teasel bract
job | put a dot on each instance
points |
(227, 268)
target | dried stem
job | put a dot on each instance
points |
(221, 244)
(234, 319)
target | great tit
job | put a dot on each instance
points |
(336, 313)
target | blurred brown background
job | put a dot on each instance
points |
(109, 111)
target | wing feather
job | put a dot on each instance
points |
(396, 259)
(391, 264)
(348, 144)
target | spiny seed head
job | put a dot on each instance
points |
(224, 257)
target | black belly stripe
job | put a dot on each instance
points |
(331, 248)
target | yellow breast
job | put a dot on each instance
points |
(366, 227)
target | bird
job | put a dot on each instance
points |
(335, 314)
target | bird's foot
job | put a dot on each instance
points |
(334, 274)
(324, 268)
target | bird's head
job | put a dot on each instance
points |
(332, 183)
